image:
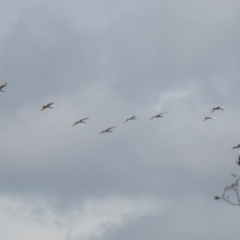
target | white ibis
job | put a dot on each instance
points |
(237, 146)
(107, 130)
(158, 116)
(217, 108)
(207, 118)
(2, 86)
(80, 121)
(131, 118)
(47, 106)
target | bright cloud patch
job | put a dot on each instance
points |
(93, 219)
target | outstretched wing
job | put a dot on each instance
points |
(49, 104)
(154, 117)
(74, 124)
(162, 113)
(84, 119)
(3, 85)
(108, 129)
(237, 146)
(125, 120)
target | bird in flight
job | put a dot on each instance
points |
(158, 116)
(238, 161)
(237, 146)
(207, 118)
(217, 108)
(80, 121)
(47, 106)
(107, 130)
(2, 86)
(131, 118)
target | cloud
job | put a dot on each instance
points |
(167, 97)
(110, 61)
(92, 219)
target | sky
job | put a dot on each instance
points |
(110, 60)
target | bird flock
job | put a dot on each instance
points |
(108, 130)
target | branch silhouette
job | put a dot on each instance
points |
(233, 191)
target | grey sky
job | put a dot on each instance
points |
(110, 60)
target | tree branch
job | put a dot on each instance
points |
(231, 188)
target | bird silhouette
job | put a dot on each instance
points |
(158, 116)
(131, 118)
(217, 108)
(2, 86)
(107, 130)
(80, 121)
(47, 106)
(238, 161)
(237, 146)
(207, 118)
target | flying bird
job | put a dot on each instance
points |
(2, 86)
(238, 161)
(107, 130)
(80, 121)
(237, 146)
(131, 118)
(206, 118)
(217, 108)
(47, 106)
(158, 116)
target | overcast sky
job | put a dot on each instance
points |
(109, 60)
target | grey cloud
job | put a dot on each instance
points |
(122, 65)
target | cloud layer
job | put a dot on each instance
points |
(109, 61)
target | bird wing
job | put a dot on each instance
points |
(83, 119)
(107, 130)
(110, 128)
(237, 146)
(162, 113)
(49, 104)
(205, 118)
(126, 120)
(74, 124)
(3, 85)
(154, 117)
